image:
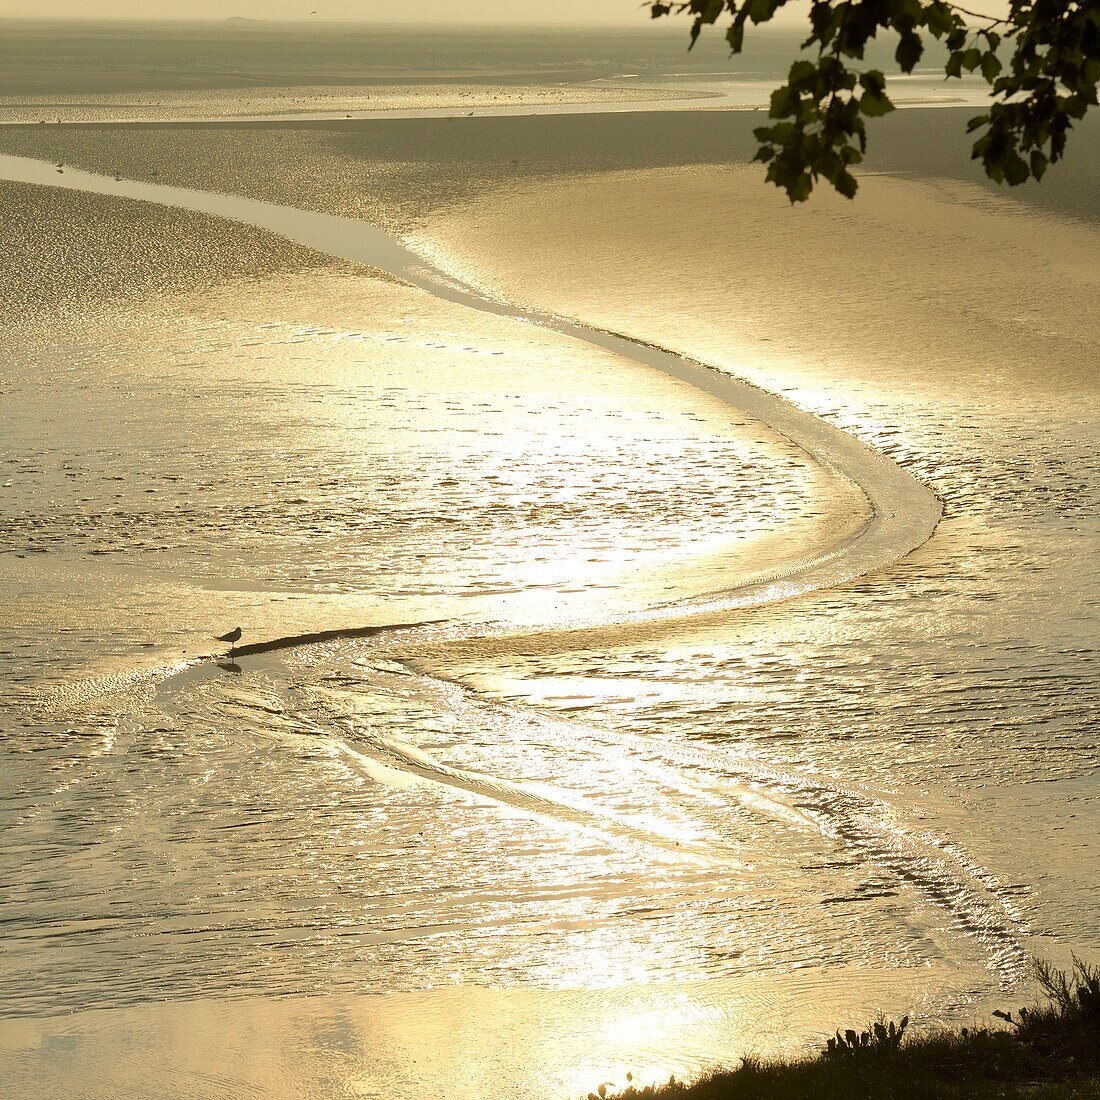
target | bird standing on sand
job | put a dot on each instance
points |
(233, 636)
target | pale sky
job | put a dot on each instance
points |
(389, 11)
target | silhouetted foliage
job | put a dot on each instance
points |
(1046, 80)
(880, 1039)
(1050, 1052)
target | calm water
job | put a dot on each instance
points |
(549, 829)
(101, 71)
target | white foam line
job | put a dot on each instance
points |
(745, 97)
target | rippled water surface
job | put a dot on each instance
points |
(575, 816)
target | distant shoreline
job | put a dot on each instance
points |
(687, 102)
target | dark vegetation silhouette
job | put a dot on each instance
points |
(1046, 1052)
(1042, 63)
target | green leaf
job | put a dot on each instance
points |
(1045, 79)
(874, 81)
(801, 71)
(798, 190)
(784, 102)
(908, 12)
(1016, 170)
(991, 66)
(780, 133)
(874, 106)
(939, 18)
(909, 51)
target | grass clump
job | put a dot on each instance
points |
(1047, 1052)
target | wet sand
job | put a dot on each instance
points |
(990, 395)
(854, 768)
(233, 344)
(923, 284)
(395, 173)
(71, 259)
(317, 1048)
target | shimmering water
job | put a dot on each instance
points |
(589, 813)
(140, 72)
(963, 679)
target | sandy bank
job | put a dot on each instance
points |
(236, 367)
(918, 285)
(397, 172)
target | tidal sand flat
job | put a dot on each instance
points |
(992, 400)
(213, 542)
(396, 171)
(510, 788)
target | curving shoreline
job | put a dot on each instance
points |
(585, 724)
(904, 512)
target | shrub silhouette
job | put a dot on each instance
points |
(1049, 1052)
(879, 1038)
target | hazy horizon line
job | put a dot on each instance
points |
(644, 22)
(648, 25)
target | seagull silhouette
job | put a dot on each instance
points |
(233, 636)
